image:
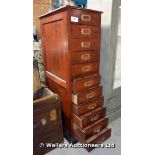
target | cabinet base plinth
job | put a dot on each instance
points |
(68, 137)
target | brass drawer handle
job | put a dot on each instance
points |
(90, 95)
(94, 118)
(85, 57)
(85, 32)
(43, 121)
(85, 44)
(86, 68)
(100, 140)
(92, 106)
(53, 115)
(88, 83)
(97, 129)
(85, 18)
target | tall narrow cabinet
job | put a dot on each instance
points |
(71, 49)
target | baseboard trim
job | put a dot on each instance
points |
(114, 115)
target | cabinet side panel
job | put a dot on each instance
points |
(55, 47)
(65, 106)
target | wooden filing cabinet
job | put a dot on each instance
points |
(71, 50)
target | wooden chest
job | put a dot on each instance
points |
(71, 47)
(47, 123)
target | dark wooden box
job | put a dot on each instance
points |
(47, 122)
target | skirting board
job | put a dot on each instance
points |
(114, 115)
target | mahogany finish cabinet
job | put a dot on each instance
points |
(71, 50)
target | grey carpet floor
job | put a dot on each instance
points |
(116, 138)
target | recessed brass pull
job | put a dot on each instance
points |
(85, 18)
(94, 118)
(97, 129)
(90, 95)
(85, 32)
(85, 44)
(86, 68)
(85, 57)
(100, 140)
(92, 106)
(88, 83)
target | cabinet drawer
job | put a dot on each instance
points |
(87, 107)
(83, 31)
(86, 95)
(95, 139)
(92, 129)
(84, 44)
(84, 69)
(85, 17)
(82, 57)
(85, 83)
(89, 118)
(98, 138)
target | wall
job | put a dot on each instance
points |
(117, 76)
(106, 7)
(107, 59)
(37, 55)
(43, 6)
(39, 7)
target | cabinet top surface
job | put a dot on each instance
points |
(65, 7)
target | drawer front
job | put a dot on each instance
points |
(82, 31)
(87, 107)
(84, 69)
(89, 118)
(85, 17)
(84, 44)
(86, 95)
(98, 138)
(85, 83)
(83, 57)
(92, 129)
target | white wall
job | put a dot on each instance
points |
(117, 76)
(106, 7)
(102, 5)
